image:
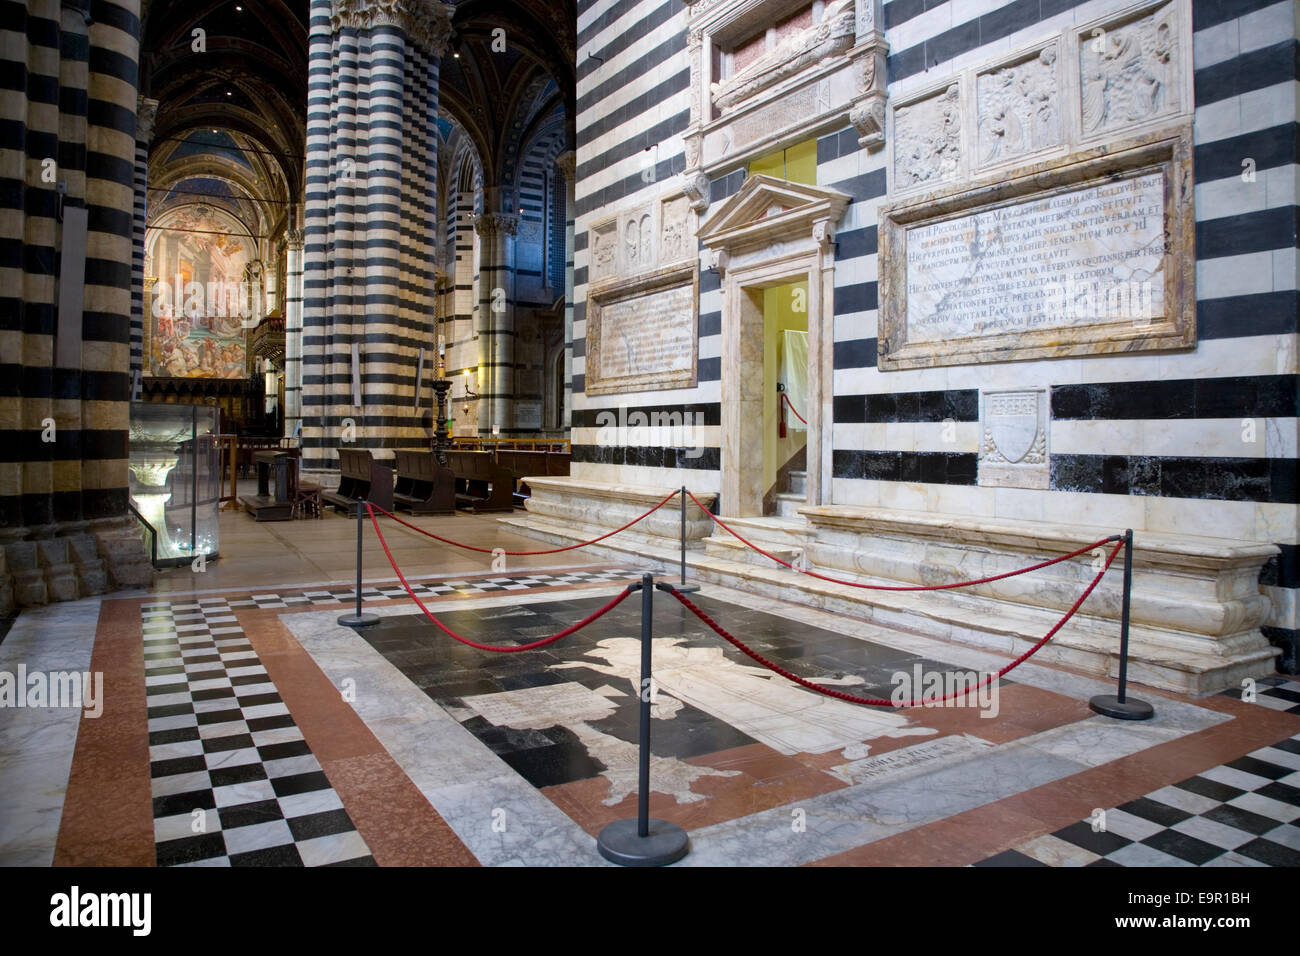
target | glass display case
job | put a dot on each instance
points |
(175, 464)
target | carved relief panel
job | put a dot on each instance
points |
(1130, 71)
(604, 250)
(928, 139)
(1120, 76)
(1019, 108)
(676, 229)
(637, 246)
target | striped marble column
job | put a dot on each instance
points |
(147, 113)
(66, 231)
(567, 164)
(368, 285)
(496, 343)
(317, 247)
(376, 326)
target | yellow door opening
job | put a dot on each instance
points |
(785, 390)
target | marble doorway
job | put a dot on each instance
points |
(746, 385)
(772, 232)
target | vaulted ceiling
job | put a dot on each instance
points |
(231, 83)
(230, 78)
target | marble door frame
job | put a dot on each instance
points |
(742, 365)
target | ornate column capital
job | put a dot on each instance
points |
(567, 164)
(146, 116)
(293, 238)
(428, 23)
(425, 22)
(496, 224)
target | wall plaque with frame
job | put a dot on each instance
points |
(642, 332)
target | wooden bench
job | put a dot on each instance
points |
(424, 487)
(360, 476)
(537, 464)
(481, 484)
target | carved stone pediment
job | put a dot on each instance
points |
(767, 210)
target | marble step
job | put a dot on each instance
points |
(725, 546)
(1086, 644)
(1159, 657)
(780, 531)
(799, 484)
(788, 504)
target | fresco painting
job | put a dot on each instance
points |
(199, 300)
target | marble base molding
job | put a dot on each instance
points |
(72, 560)
(580, 510)
(1196, 607)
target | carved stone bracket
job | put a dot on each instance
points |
(696, 186)
(868, 111)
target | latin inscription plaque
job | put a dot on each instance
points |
(1075, 268)
(1081, 257)
(641, 335)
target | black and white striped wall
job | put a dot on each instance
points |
(1149, 441)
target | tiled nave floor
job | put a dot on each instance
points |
(247, 728)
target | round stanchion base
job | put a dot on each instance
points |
(1108, 705)
(686, 588)
(619, 843)
(359, 620)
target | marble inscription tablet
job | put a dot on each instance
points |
(1074, 259)
(641, 334)
(1035, 264)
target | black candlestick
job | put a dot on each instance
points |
(441, 440)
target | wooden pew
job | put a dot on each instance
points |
(424, 487)
(360, 476)
(522, 464)
(481, 483)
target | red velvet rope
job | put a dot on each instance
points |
(786, 396)
(878, 701)
(570, 547)
(898, 587)
(489, 647)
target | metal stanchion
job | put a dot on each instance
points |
(684, 587)
(644, 841)
(1120, 705)
(357, 619)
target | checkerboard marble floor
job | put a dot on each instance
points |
(394, 591)
(233, 781)
(1243, 813)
